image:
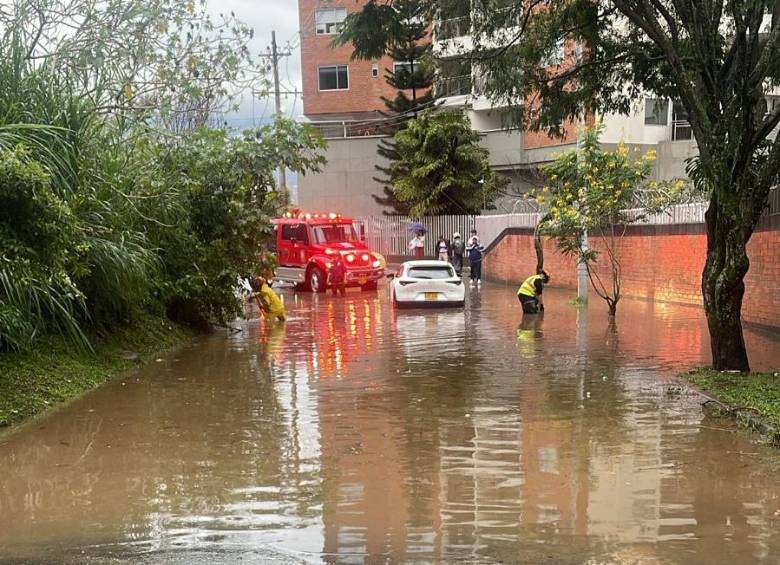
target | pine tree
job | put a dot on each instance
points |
(400, 30)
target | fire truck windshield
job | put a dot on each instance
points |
(333, 233)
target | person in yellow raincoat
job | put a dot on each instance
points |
(268, 301)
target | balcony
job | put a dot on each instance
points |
(348, 129)
(446, 87)
(452, 28)
(681, 130)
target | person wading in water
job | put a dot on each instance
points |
(530, 293)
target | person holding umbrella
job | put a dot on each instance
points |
(417, 244)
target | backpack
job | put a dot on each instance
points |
(457, 248)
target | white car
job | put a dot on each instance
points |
(427, 283)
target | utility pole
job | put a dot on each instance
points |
(275, 55)
(278, 101)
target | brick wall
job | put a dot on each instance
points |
(364, 93)
(661, 263)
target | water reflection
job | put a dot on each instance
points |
(355, 433)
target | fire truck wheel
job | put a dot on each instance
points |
(369, 286)
(316, 280)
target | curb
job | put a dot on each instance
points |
(744, 417)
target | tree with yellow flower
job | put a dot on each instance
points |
(597, 192)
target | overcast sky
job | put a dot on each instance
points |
(264, 16)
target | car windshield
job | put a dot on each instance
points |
(443, 272)
(333, 233)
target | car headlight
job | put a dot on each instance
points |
(380, 258)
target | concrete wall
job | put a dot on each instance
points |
(346, 183)
(672, 156)
(631, 129)
(661, 263)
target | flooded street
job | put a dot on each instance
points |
(357, 434)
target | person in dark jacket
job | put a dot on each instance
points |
(458, 249)
(338, 277)
(475, 250)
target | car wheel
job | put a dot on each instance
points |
(369, 286)
(316, 280)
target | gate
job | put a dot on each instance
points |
(390, 235)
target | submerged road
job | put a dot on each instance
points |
(357, 434)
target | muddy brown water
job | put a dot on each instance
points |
(357, 434)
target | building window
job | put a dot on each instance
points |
(330, 20)
(656, 112)
(374, 70)
(334, 77)
(403, 65)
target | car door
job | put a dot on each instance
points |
(300, 245)
(286, 242)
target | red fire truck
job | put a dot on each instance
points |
(307, 244)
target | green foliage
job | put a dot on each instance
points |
(219, 215)
(36, 228)
(599, 193)
(442, 169)
(719, 59)
(104, 217)
(34, 221)
(134, 59)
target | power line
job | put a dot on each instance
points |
(396, 118)
(275, 55)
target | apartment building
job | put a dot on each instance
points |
(338, 90)
(342, 97)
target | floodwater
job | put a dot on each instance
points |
(355, 434)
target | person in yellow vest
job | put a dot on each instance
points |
(268, 301)
(530, 293)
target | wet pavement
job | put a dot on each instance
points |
(355, 434)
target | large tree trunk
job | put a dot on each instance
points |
(723, 284)
(538, 245)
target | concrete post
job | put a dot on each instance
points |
(582, 268)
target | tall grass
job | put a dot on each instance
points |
(31, 305)
(105, 270)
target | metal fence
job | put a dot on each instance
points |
(692, 213)
(390, 235)
(490, 227)
(344, 129)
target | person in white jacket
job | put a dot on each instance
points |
(417, 245)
